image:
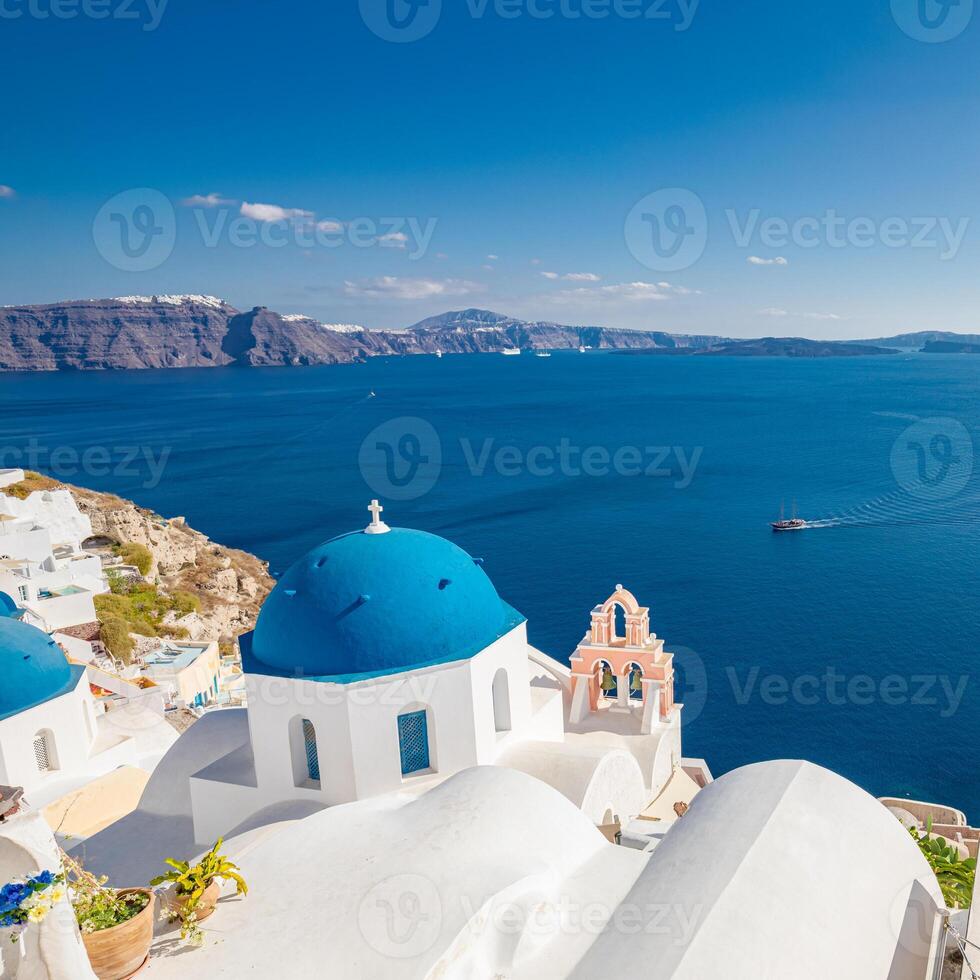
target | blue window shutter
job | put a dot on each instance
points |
(413, 741)
(312, 756)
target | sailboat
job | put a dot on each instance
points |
(793, 524)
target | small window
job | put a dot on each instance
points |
(312, 755)
(413, 741)
(501, 701)
(42, 754)
(22, 592)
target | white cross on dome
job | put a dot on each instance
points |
(377, 526)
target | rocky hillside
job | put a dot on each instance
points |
(230, 585)
(202, 331)
(481, 331)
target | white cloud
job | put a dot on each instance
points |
(330, 227)
(627, 292)
(634, 291)
(397, 287)
(394, 239)
(441, 256)
(6, 191)
(205, 201)
(758, 260)
(573, 276)
(272, 212)
(535, 261)
(493, 258)
(778, 312)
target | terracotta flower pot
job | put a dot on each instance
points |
(119, 953)
(207, 903)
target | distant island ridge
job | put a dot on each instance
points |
(152, 332)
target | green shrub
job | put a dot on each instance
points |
(955, 874)
(136, 554)
(115, 636)
(184, 603)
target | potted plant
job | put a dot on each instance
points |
(197, 889)
(116, 924)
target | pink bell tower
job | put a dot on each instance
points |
(629, 674)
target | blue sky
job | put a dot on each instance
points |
(546, 167)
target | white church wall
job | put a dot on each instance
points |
(667, 756)
(68, 735)
(274, 705)
(508, 654)
(444, 692)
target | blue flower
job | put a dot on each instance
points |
(44, 878)
(12, 895)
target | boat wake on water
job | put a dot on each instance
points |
(903, 508)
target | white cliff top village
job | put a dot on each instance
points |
(413, 790)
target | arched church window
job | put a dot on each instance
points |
(619, 622)
(413, 742)
(501, 701)
(44, 752)
(312, 755)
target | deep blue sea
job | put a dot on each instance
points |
(848, 644)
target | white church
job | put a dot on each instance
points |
(414, 791)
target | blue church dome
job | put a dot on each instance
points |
(365, 605)
(32, 667)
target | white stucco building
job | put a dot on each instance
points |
(43, 566)
(386, 661)
(416, 792)
(54, 737)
